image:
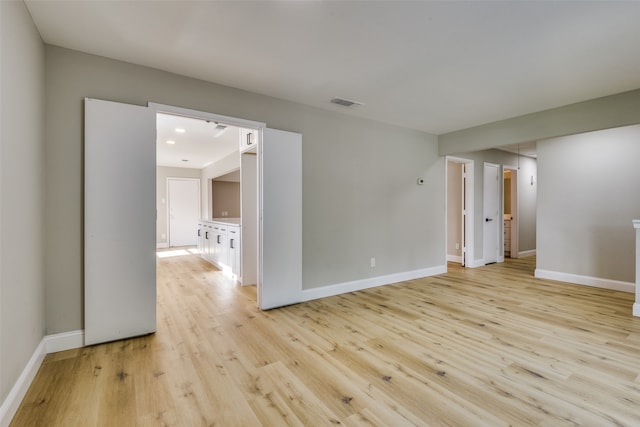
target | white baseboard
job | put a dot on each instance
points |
(636, 309)
(48, 344)
(454, 258)
(162, 245)
(19, 390)
(577, 279)
(525, 254)
(372, 282)
(64, 341)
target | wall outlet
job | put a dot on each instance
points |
(164, 236)
(373, 262)
(457, 246)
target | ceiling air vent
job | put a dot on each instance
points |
(345, 102)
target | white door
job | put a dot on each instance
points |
(184, 211)
(280, 212)
(491, 213)
(119, 221)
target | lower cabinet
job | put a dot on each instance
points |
(220, 245)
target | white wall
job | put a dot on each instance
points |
(162, 173)
(360, 197)
(22, 307)
(587, 199)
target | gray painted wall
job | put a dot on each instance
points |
(222, 167)
(601, 113)
(587, 201)
(162, 173)
(526, 196)
(360, 197)
(22, 308)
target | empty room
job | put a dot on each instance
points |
(319, 213)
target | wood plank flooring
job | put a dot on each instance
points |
(490, 346)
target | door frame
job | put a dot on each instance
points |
(515, 218)
(467, 214)
(280, 278)
(168, 205)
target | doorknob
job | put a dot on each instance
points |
(488, 219)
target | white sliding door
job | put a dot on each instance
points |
(280, 200)
(119, 221)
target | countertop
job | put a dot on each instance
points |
(224, 220)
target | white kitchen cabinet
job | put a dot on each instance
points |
(201, 230)
(248, 139)
(222, 245)
(207, 241)
(233, 246)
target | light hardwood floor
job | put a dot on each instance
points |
(488, 346)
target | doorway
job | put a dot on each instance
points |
(183, 208)
(119, 227)
(491, 227)
(459, 207)
(510, 211)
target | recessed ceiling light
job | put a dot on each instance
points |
(180, 130)
(170, 142)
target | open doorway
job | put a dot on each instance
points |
(510, 211)
(199, 158)
(459, 207)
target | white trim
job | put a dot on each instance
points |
(162, 245)
(48, 344)
(577, 279)
(636, 309)
(233, 121)
(476, 263)
(19, 390)
(524, 254)
(64, 341)
(454, 258)
(372, 282)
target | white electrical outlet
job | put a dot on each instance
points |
(457, 246)
(164, 236)
(373, 262)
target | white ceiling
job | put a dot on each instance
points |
(431, 66)
(196, 147)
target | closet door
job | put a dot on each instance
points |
(119, 221)
(280, 211)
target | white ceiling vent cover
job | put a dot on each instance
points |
(345, 102)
